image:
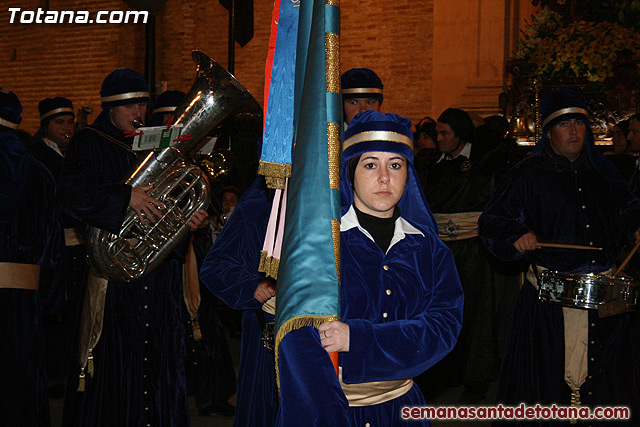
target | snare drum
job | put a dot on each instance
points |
(586, 290)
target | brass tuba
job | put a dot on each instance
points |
(181, 187)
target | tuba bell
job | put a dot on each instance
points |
(140, 246)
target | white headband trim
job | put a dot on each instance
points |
(121, 96)
(362, 90)
(377, 135)
(164, 110)
(8, 124)
(570, 110)
(56, 111)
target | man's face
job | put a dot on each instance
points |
(60, 130)
(567, 138)
(123, 116)
(448, 141)
(229, 201)
(618, 141)
(354, 106)
(633, 138)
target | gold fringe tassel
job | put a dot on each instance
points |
(81, 381)
(90, 363)
(297, 323)
(274, 173)
(262, 267)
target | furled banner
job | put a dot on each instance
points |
(308, 278)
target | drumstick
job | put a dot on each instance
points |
(565, 246)
(627, 259)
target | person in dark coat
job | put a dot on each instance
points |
(60, 285)
(135, 373)
(458, 185)
(230, 271)
(28, 233)
(565, 192)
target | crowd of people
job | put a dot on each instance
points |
(444, 240)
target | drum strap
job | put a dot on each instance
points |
(576, 339)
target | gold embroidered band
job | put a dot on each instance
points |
(570, 110)
(377, 135)
(362, 90)
(121, 96)
(56, 111)
(8, 124)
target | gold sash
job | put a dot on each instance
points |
(19, 276)
(374, 392)
(72, 237)
(457, 226)
(576, 340)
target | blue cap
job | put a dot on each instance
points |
(51, 108)
(562, 105)
(10, 110)
(361, 83)
(123, 87)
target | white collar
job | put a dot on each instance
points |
(401, 227)
(53, 146)
(466, 151)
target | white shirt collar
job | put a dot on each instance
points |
(466, 151)
(53, 146)
(401, 227)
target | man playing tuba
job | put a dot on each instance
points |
(134, 373)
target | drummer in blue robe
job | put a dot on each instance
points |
(135, 374)
(400, 295)
(28, 232)
(564, 192)
(60, 285)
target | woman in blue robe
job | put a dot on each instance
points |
(401, 297)
(138, 363)
(28, 230)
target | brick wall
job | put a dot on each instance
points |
(71, 60)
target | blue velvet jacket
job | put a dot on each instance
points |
(404, 311)
(560, 202)
(403, 308)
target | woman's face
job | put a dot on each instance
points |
(378, 182)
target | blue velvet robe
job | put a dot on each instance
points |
(139, 361)
(62, 284)
(562, 202)
(230, 271)
(28, 220)
(404, 311)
